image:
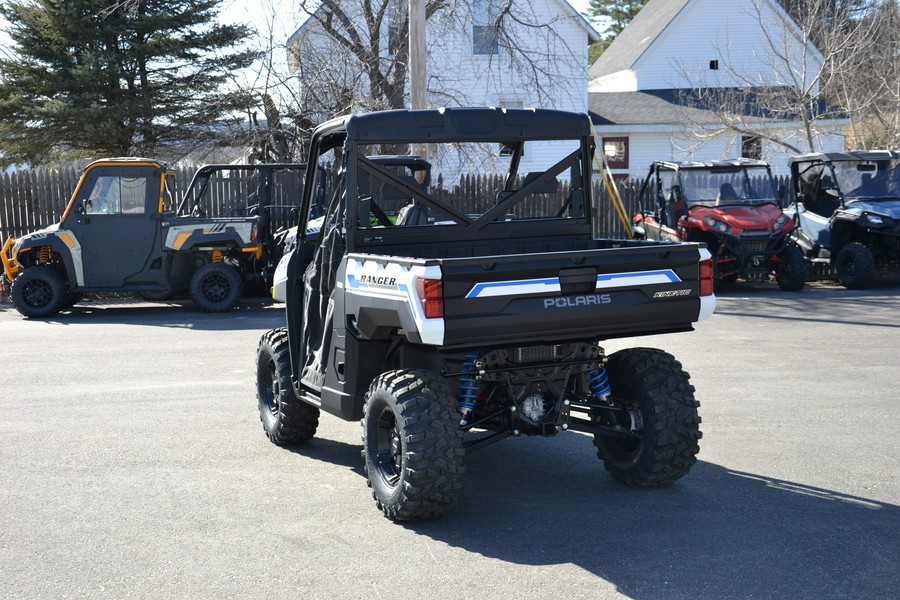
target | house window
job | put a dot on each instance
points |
(751, 147)
(714, 65)
(615, 150)
(485, 30)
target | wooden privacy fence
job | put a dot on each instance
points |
(33, 199)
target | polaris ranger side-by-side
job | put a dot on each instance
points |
(120, 232)
(733, 207)
(848, 206)
(463, 319)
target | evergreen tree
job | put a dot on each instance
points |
(615, 15)
(88, 78)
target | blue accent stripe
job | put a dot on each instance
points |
(552, 284)
(667, 273)
(479, 288)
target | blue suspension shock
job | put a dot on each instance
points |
(599, 382)
(468, 387)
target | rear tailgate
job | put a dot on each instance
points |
(593, 294)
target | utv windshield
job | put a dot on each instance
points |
(721, 187)
(472, 184)
(870, 179)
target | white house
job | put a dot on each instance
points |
(535, 57)
(658, 90)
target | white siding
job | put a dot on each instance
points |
(552, 75)
(744, 36)
(546, 67)
(621, 81)
(646, 147)
(556, 61)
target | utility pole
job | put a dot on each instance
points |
(417, 54)
(417, 63)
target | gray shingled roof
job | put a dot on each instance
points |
(657, 107)
(681, 107)
(631, 43)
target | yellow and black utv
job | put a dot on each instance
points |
(121, 232)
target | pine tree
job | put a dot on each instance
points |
(89, 78)
(618, 13)
(615, 15)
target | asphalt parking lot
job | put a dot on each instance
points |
(133, 465)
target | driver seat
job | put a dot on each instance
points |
(726, 192)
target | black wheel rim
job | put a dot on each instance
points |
(849, 267)
(622, 451)
(272, 389)
(38, 293)
(388, 447)
(215, 287)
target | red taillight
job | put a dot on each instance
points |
(706, 278)
(431, 293)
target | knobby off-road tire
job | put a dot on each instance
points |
(412, 445)
(791, 273)
(287, 420)
(39, 292)
(216, 287)
(666, 446)
(855, 266)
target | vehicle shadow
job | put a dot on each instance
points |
(874, 306)
(718, 533)
(248, 314)
(333, 452)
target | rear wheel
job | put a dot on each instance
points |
(216, 287)
(39, 292)
(855, 266)
(412, 444)
(287, 420)
(652, 384)
(792, 270)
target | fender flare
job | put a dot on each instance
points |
(61, 249)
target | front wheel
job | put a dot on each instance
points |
(855, 266)
(216, 287)
(657, 392)
(39, 292)
(791, 270)
(287, 420)
(412, 444)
